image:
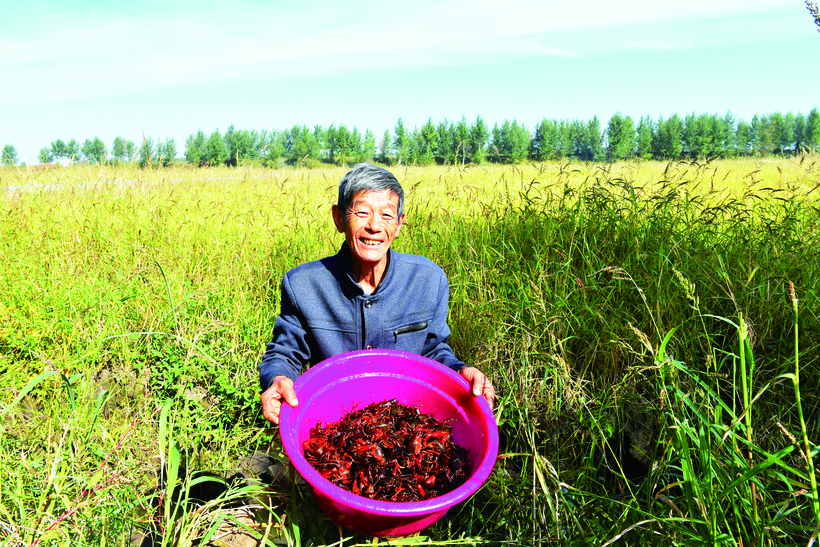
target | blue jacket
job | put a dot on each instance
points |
(325, 312)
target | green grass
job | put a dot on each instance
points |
(652, 329)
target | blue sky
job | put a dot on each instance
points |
(168, 68)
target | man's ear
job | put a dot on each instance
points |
(338, 219)
(401, 223)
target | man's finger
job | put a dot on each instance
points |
(289, 394)
(271, 410)
(489, 392)
(478, 385)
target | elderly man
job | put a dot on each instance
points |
(365, 296)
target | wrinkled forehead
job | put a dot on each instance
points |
(375, 199)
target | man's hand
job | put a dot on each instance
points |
(481, 384)
(280, 390)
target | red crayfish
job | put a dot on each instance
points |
(390, 452)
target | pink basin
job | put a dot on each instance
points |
(352, 380)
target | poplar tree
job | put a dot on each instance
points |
(401, 142)
(813, 129)
(72, 151)
(228, 138)
(241, 144)
(698, 137)
(344, 143)
(498, 143)
(669, 138)
(87, 151)
(543, 145)
(745, 141)
(300, 144)
(519, 141)
(131, 150)
(787, 143)
(761, 134)
(719, 133)
(331, 143)
(427, 142)
(356, 145)
(146, 153)
(195, 149)
(166, 152)
(777, 128)
(731, 141)
(445, 139)
(118, 150)
(536, 142)
(368, 146)
(276, 149)
(384, 147)
(9, 155)
(311, 142)
(643, 139)
(799, 132)
(319, 139)
(45, 155)
(94, 151)
(592, 140)
(216, 153)
(59, 149)
(578, 141)
(621, 137)
(479, 133)
(568, 136)
(462, 141)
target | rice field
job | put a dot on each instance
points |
(652, 329)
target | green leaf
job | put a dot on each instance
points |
(213, 529)
(28, 388)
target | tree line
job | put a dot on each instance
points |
(462, 142)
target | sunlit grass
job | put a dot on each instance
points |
(637, 318)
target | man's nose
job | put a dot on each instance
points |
(375, 223)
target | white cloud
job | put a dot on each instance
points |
(99, 54)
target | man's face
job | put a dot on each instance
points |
(370, 225)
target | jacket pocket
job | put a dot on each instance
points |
(415, 327)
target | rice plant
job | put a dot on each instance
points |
(657, 371)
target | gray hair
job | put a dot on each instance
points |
(366, 177)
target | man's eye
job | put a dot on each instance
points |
(361, 214)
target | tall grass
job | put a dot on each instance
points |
(640, 320)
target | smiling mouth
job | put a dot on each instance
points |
(370, 242)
